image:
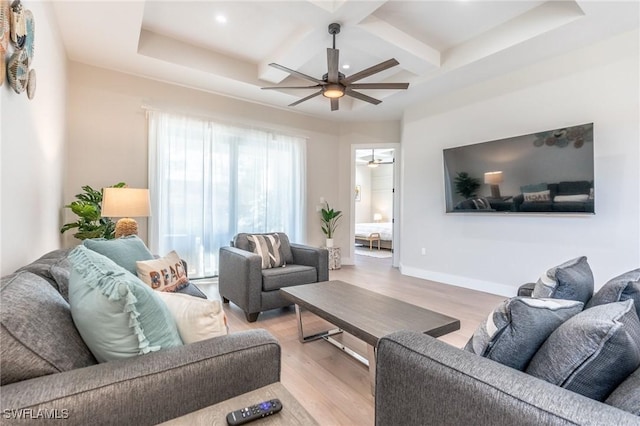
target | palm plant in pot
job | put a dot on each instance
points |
(88, 208)
(329, 218)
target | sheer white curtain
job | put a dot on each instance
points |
(209, 181)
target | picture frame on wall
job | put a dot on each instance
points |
(358, 193)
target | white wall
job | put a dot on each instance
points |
(497, 253)
(108, 136)
(363, 207)
(32, 160)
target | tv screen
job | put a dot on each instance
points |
(547, 172)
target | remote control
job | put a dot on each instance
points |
(254, 412)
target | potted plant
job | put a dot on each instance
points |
(90, 223)
(329, 218)
(466, 185)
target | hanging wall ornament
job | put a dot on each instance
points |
(18, 71)
(18, 25)
(5, 33)
(30, 34)
(31, 84)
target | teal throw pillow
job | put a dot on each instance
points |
(117, 315)
(125, 251)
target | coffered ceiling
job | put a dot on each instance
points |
(225, 47)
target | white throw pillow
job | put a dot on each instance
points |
(197, 318)
(164, 274)
(540, 196)
(570, 198)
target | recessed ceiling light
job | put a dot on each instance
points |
(346, 66)
(221, 19)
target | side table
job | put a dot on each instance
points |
(292, 412)
(335, 257)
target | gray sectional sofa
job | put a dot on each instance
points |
(48, 374)
(563, 356)
(423, 381)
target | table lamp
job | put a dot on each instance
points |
(377, 217)
(125, 203)
(493, 179)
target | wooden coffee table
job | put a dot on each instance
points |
(363, 314)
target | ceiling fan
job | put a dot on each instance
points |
(375, 162)
(335, 85)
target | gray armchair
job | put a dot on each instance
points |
(243, 281)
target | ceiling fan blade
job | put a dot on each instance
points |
(362, 97)
(371, 70)
(296, 73)
(306, 98)
(401, 86)
(334, 104)
(333, 56)
(317, 86)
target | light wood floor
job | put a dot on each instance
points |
(331, 385)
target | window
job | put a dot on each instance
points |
(208, 181)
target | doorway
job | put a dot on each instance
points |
(374, 204)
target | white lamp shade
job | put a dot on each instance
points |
(377, 217)
(125, 202)
(493, 178)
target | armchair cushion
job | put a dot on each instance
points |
(38, 335)
(268, 247)
(274, 279)
(241, 241)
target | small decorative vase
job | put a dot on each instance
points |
(329, 242)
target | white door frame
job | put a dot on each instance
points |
(396, 197)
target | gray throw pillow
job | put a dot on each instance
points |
(572, 280)
(38, 334)
(627, 396)
(592, 352)
(620, 288)
(515, 330)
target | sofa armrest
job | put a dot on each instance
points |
(421, 380)
(312, 256)
(240, 278)
(151, 388)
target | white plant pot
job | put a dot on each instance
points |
(329, 242)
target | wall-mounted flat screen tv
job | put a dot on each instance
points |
(547, 172)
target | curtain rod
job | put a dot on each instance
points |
(220, 120)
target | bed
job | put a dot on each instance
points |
(372, 234)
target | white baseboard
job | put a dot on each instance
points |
(458, 281)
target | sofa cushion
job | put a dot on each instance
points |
(627, 396)
(61, 271)
(164, 274)
(197, 319)
(117, 315)
(125, 251)
(268, 248)
(241, 241)
(537, 197)
(620, 288)
(38, 334)
(274, 279)
(574, 187)
(42, 266)
(572, 280)
(592, 352)
(515, 330)
(537, 187)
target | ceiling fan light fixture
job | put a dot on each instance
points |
(333, 91)
(373, 164)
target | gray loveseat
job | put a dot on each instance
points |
(47, 372)
(243, 281)
(423, 381)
